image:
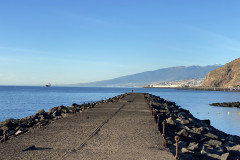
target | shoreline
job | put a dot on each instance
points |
(198, 139)
(199, 88)
(11, 128)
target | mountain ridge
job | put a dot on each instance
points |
(147, 77)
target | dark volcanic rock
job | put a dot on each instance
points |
(183, 133)
(11, 123)
(41, 112)
(210, 135)
(14, 127)
(227, 104)
(193, 146)
(207, 121)
(1, 132)
(198, 139)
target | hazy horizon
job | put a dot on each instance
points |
(69, 42)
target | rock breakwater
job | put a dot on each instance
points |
(14, 127)
(198, 139)
(227, 104)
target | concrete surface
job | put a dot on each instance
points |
(116, 131)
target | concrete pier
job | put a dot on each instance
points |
(124, 130)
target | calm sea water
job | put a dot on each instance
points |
(19, 102)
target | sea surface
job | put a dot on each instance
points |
(21, 101)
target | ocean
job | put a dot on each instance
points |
(22, 101)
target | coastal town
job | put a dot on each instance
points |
(178, 83)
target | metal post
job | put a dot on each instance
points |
(177, 140)
(5, 136)
(163, 133)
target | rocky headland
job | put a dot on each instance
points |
(198, 139)
(227, 104)
(227, 76)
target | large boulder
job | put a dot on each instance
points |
(214, 143)
(193, 146)
(171, 121)
(210, 135)
(52, 110)
(41, 112)
(11, 123)
(183, 133)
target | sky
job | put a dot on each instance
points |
(79, 41)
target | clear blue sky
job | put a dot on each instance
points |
(74, 41)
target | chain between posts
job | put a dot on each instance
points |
(177, 140)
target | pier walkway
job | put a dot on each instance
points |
(124, 130)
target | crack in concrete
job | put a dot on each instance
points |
(95, 132)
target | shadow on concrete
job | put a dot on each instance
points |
(34, 148)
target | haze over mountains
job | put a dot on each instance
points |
(145, 78)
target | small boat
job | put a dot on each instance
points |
(48, 85)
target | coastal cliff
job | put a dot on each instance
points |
(225, 77)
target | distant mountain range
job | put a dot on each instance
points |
(145, 78)
(225, 77)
